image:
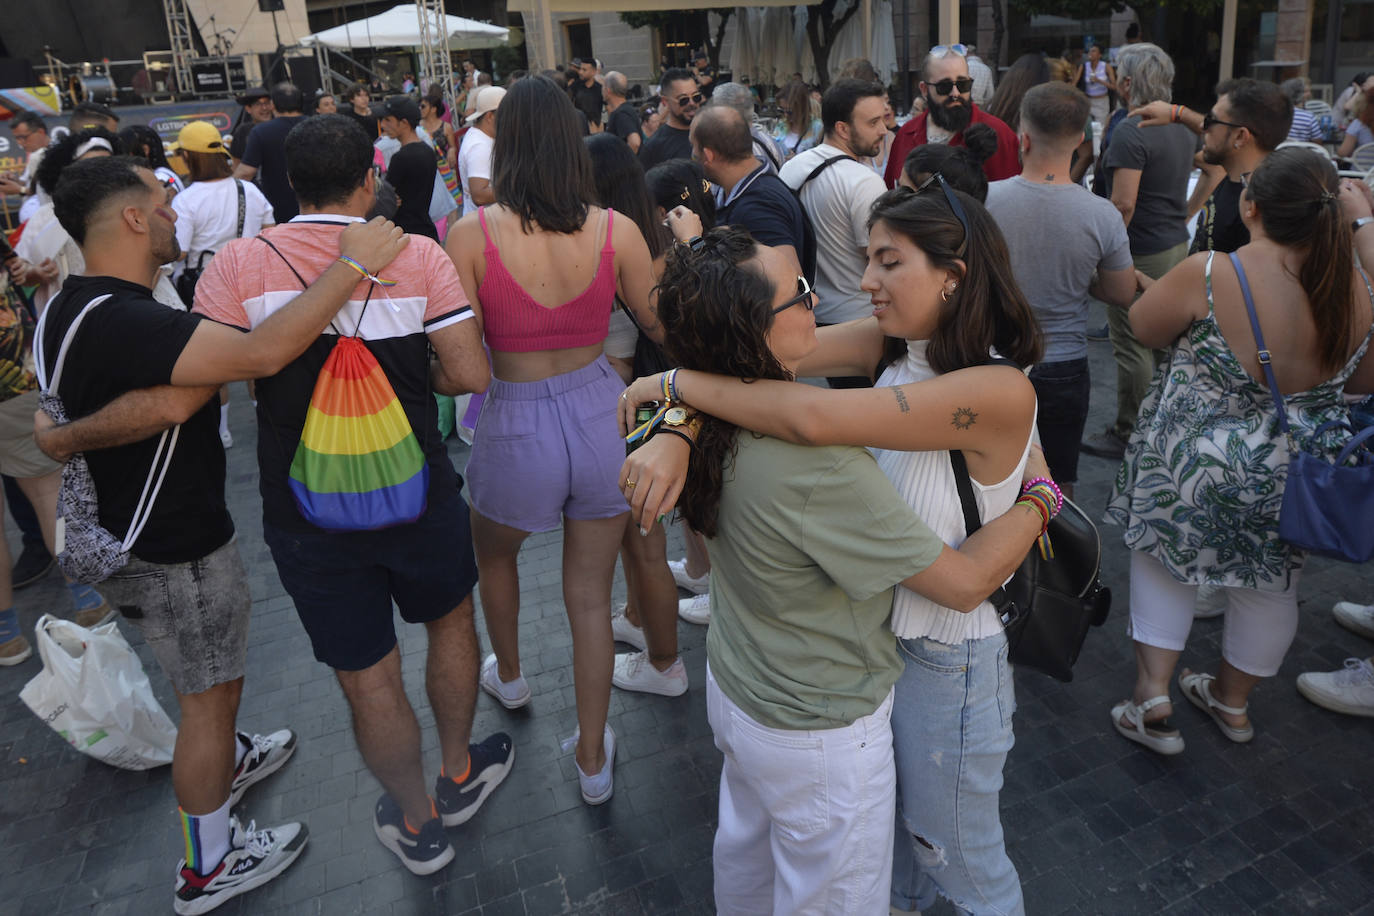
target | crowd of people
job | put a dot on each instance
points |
(595, 277)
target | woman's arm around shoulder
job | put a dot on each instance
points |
(1172, 303)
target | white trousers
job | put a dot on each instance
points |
(806, 817)
(1259, 627)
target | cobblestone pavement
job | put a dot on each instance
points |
(1095, 824)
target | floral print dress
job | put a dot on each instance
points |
(1202, 481)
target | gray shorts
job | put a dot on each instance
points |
(194, 615)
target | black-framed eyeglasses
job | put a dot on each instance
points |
(697, 99)
(954, 205)
(943, 87)
(21, 137)
(804, 297)
(1210, 119)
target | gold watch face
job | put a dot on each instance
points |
(676, 416)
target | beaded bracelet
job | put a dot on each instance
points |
(345, 259)
(1053, 487)
(676, 432)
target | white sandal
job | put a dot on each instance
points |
(1160, 740)
(1196, 687)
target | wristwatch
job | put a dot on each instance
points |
(1362, 221)
(680, 418)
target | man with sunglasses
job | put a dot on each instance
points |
(946, 87)
(1247, 123)
(682, 98)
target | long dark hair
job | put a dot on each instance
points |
(716, 312)
(988, 310)
(1029, 70)
(142, 140)
(540, 169)
(1298, 196)
(620, 186)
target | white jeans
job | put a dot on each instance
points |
(806, 817)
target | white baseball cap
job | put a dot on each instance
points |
(488, 99)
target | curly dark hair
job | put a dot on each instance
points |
(989, 311)
(716, 310)
(62, 153)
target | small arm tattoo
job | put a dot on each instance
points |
(963, 418)
(901, 401)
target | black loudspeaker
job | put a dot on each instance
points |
(271, 6)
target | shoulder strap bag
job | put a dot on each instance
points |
(86, 551)
(1327, 507)
(1050, 603)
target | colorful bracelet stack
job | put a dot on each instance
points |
(1045, 497)
(1175, 113)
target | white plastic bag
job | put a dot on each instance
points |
(93, 692)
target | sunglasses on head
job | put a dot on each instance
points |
(1210, 119)
(945, 50)
(696, 99)
(943, 87)
(804, 297)
(954, 205)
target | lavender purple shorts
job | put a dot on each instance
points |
(549, 449)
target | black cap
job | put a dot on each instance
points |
(400, 107)
(252, 95)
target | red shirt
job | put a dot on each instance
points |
(1004, 163)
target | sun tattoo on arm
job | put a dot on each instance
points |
(963, 418)
(902, 404)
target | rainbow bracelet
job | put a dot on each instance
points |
(363, 270)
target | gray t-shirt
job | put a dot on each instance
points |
(1164, 156)
(1088, 236)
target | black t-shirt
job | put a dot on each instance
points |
(664, 144)
(368, 122)
(1219, 226)
(587, 99)
(411, 173)
(770, 211)
(624, 122)
(240, 140)
(266, 152)
(132, 341)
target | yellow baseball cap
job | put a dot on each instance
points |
(201, 137)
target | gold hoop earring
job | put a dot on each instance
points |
(944, 294)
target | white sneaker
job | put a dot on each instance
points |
(227, 438)
(597, 788)
(696, 609)
(1358, 618)
(255, 857)
(624, 631)
(1349, 690)
(265, 755)
(697, 586)
(633, 671)
(1210, 602)
(511, 695)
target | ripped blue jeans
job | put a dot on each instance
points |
(951, 733)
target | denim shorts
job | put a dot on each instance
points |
(193, 615)
(343, 583)
(1062, 390)
(549, 449)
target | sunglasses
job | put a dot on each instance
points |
(954, 205)
(964, 83)
(696, 99)
(1210, 119)
(940, 51)
(804, 297)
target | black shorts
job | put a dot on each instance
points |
(1062, 391)
(344, 583)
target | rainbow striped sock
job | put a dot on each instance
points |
(207, 838)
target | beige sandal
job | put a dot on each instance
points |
(1157, 736)
(1197, 688)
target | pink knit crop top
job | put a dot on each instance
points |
(515, 323)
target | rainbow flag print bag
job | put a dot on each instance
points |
(358, 466)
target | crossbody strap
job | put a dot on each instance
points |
(1001, 602)
(243, 202)
(40, 363)
(1261, 351)
(822, 167)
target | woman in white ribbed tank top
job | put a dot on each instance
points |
(944, 298)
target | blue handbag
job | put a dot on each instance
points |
(1328, 509)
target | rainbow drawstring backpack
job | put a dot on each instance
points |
(358, 466)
